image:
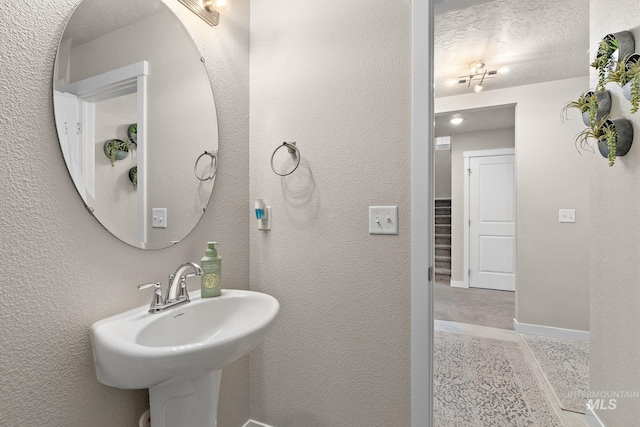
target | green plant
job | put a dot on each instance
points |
(587, 102)
(611, 137)
(601, 131)
(604, 58)
(594, 132)
(618, 73)
(633, 76)
(115, 145)
(133, 176)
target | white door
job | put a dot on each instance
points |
(492, 222)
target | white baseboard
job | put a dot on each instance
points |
(592, 417)
(254, 423)
(458, 284)
(549, 331)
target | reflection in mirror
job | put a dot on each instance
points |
(131, 65)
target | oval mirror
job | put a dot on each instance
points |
(136, 119)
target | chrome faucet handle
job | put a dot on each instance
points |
(183, 294)
(156, 299)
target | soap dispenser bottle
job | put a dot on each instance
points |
(211, 265)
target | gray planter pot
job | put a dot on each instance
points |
(120, 154)
(626, 44)
(604, 107)
(626, 91)
(624, 131)
(631, 60)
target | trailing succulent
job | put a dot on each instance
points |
(600, 131)
(610, 135)
(604, 58)
(624, 72)
(114, 146)
(633, 76)
(586, 102)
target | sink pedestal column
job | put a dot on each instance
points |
(186, 403)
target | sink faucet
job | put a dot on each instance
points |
(177, 290)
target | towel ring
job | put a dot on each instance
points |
(291, 147)
(214, 163)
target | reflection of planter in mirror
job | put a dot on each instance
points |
(133, 176)
(132, 133)
(622, 131)
(116, 149)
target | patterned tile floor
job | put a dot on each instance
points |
(569, 419)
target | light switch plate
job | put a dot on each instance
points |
(383, 220)
(159, 217)
(567, 215)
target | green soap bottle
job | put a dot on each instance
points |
(211, 265)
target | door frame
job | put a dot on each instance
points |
(422, 191)
(467, 155)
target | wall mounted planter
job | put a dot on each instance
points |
(133, 176)
(626, 44)
(132, 133)
(624, 132)
(116, 149)
(604, 106)
(612, 48)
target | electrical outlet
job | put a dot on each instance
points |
(383, 220)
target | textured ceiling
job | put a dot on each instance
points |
(475, 120)
(114, 14)
(540, 41)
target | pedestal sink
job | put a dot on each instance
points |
(179, 354)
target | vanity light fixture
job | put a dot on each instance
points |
(456, 119)
(208, 10)
(478, 73)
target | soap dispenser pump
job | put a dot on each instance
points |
(211, 265)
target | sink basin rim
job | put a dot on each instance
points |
(108, 332)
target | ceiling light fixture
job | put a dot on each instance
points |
(208, 10)
(478, 73)
(456, 119)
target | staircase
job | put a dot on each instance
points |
(443, 240)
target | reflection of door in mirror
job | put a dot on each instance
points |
(140, 67)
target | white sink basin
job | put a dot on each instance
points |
(137, 349)
(181, 345)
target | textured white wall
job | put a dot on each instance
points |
(615, 242)
(335, 77)
(470, 141)
(551, 258)
(60, 270)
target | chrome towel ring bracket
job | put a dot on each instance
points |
(295, 153)
(214, 165)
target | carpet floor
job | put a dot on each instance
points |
(488, 382)
(565, 365)
(484, 307)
